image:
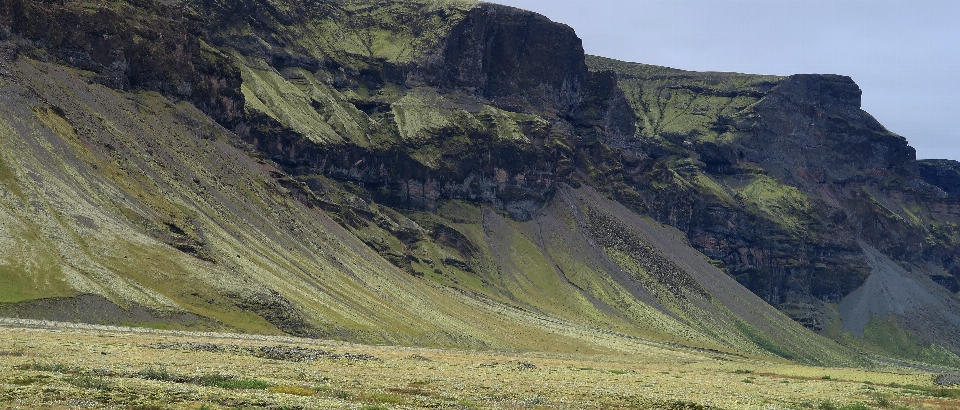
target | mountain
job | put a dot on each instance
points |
(453, 174)
(799, 194)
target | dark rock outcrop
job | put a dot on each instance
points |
(524, 62)
(813, 124)
(941, 173)
(277, 310)
(517, 58)
(512, 59)
(799, 175)
(140, 45)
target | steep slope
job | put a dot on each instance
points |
(134, 200)
(127, 206)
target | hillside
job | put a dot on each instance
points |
(453, 174)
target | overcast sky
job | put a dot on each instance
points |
(905, 55)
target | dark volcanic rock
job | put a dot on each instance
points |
(143, 45)
(813, 123)
(277, 310)
(525, 62)
(767, 143)
(941, 173)
(516, 58)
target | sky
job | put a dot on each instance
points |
(904, 55)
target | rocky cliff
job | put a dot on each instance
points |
(788, 184)
(321, 159)
(941, 173)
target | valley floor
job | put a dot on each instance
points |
(58, 365)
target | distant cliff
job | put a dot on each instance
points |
(789, 185)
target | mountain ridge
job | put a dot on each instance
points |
(426, 150)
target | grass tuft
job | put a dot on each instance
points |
(18, 352)
(409, 391)
(680, 405)
(54, 367)
(855, 406)
(931, 391)
(159, 374)
(28, 380)
(148, 406)
(467, 404)
(384, 398)
(232, 382)
(881, 400)
(294, 390)
(335, 393)
(86, 381)
(533, 401)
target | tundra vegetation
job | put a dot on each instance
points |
(57, 365)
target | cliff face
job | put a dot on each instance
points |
(789, 185)
(814, 124)
(941, 173)
(515, 57)
(487, 111)
(130, 46)
(474, 146)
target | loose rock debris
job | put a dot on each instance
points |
(277, 352)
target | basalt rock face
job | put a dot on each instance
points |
(811, 126)
(709, 177)
(862, 180)
(524, 62)
(787, 183)
(492, 56)
(941, 173)
(487, 112)
(138, 45)
(517, 58)
(808, 132)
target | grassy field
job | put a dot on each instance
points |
(86, 366)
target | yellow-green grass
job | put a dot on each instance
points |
(781, 203)
(61, 367)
